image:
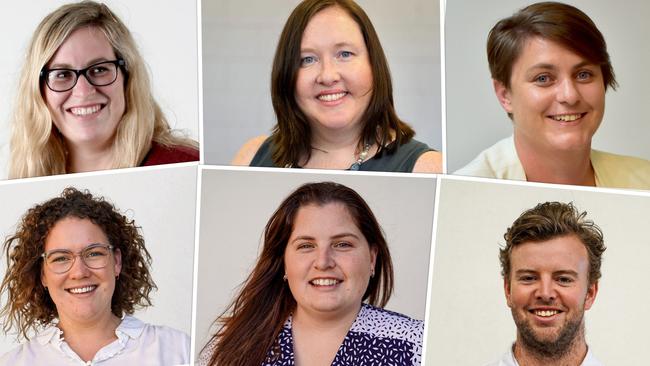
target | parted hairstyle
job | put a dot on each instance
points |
(37, 147)
(29, 305)
(291, 135)
(251, 324)
(557, 22)
(550, 220)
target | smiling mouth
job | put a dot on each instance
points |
(331, 97)
(81, 290)
(85, 111)
(325, 282)
(567, 117)
(545, 313)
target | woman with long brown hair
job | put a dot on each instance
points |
(332, 94)
(317, 291)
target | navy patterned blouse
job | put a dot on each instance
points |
(377, 337)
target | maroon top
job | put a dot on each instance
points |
(160, 154)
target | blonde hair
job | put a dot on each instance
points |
(37, 147)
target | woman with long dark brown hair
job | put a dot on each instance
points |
(332, 94)
(316, 294)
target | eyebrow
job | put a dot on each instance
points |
(547, 66)
(336, 45)
(68, 66)
(337, 236)
(555, 273)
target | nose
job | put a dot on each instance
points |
(79, 269)
(568, 92)
(83, 86)
(325, 259)
(328, 73)
(546, 290)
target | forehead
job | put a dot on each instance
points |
(536, 51)
(328, 219)
(564, 253)
(331, 25)
(83, 46)
(74, 234)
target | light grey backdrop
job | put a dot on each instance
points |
(468, 308)
(475, 120)
(239, 40)
(162, 201)
(165, 32)
(235, 207)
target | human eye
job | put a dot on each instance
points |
(59, 257)
(527, 278)
(543, 79)
(343, 244)
(305, 245)
(584, 75)
(61, 75)
(345, 54)
(307, 60)
(565, 280)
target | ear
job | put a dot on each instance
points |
(591, 295)
(503, 95)
(506, 290)
(373, 257)
(43, 280)
(117, 254)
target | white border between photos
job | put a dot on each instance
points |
(443, 87)
(199, 48)
(195, 275)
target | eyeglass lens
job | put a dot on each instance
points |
(100, 74)
(94, 256)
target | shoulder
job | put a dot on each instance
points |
(161, 154)
(246, 153)
(389, 324)
(161, 341)
(498, 161)
(29, 353)
(429, 162)
(620, 171)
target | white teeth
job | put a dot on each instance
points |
(324, 282)
(546, 313)
(81, 111)
(567, 117)
(82, 290)
(331, 97)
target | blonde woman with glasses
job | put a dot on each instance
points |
(84, 100)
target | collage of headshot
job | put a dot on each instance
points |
(323, 183)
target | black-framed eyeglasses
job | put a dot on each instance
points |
(99, 74)
(94, 256)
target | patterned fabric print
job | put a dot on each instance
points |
(377, 337)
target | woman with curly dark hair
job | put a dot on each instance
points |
(76, 271)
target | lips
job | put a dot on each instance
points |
(331, 96)
(325, 282)
(545, 313)
(567, 117)
(86, 110)
(81, 289)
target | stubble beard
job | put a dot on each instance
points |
(569, 334)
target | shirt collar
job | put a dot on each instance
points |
(129, 327)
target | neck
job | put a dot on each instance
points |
(88, 158)
(335, 150)
(87, 338)
(547, 165)
(573, 356)
(325, 321)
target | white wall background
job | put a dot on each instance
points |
(165, 32)
(235, 207)
(239, 41)
(475, 120)
(468, 310)
(160, 200)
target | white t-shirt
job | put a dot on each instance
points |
(508, 359)
(137, 344)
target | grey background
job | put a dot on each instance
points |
(468, 308)
(475, 120)
(165, 32)
(235, 207)
(162, 201)
(239, 40)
